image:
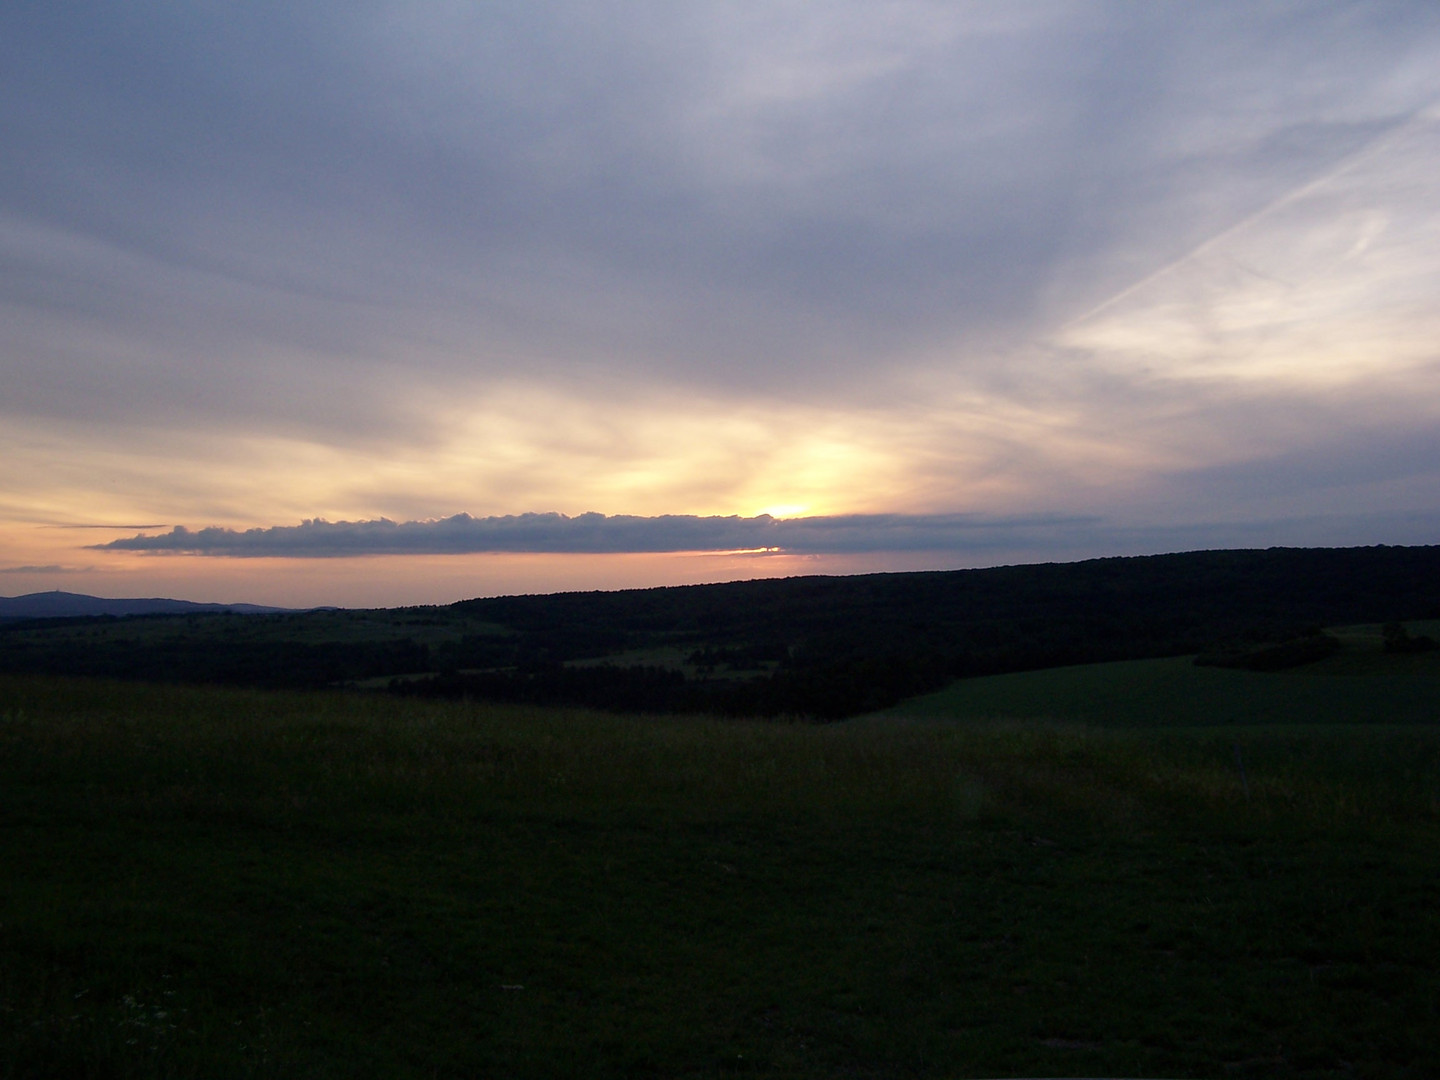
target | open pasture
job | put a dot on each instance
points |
(204, 882)
(1359, 684)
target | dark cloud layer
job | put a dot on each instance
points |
(968, 539)
(597, 534)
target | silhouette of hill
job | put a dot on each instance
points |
(822, 647)
(56, 604)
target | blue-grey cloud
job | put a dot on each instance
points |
(968, 539)
(598, 533)
(1347, 460)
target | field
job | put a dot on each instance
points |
(209, 882)
(1360, 684)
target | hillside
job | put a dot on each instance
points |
(824, 647)
(1360, 684)
(56, 604)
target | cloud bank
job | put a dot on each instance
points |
(971, 538)
(600, 534)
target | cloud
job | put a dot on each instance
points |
(289, 218)
(597, 533)
(1333, 282)
(38, 570)
(273, 262)
(103, 527)
(964, 539)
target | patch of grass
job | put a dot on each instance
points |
(230, 883)
(1360, 684)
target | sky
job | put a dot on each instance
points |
(376, 303)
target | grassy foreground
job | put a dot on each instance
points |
(229, 883)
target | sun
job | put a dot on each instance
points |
(784, 510)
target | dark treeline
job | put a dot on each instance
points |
(847, 645)
(114, 650)
(823, 647)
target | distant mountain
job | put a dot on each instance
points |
(56, 604)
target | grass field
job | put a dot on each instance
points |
(1360, 684)
(228, 883)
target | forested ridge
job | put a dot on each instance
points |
(824, 647)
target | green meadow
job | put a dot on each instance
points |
(1360, 684)
(1142, 869)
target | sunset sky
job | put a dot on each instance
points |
(373, 303)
